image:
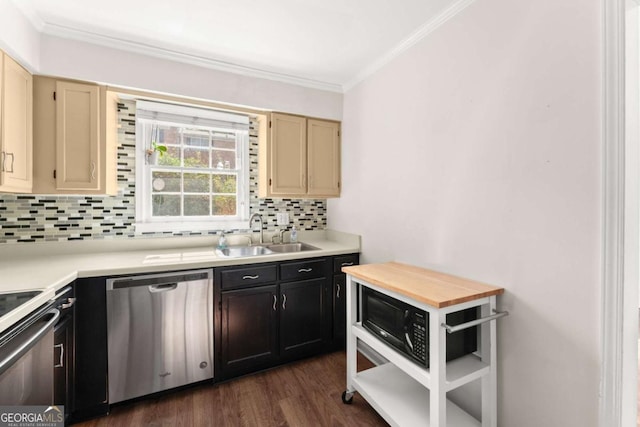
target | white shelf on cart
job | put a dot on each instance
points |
(401, 400)
(459, 371)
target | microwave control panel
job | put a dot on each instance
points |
(419, 337)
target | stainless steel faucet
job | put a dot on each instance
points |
(251, 218)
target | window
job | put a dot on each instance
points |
(192, 168)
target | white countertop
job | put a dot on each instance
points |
(49, 266)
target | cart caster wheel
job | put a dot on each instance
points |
(347, 398)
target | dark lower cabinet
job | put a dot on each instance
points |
(339, 297)
(63, 352)
(272, 313)
(248, 325)
(339, 310)
(302, 317)
(91, 397)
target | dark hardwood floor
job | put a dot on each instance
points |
(304, 393)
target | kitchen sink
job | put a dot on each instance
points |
(291, 247)
(246, 251)
(243, 251)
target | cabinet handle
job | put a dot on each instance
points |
(4, 157)
(69, 303)
(60, 364)
(275, 301)
(346, 264)
(4, 160)
(338, 292)
(93, 171)
(305, 270)
(304, 180)
(250, 277)
(284, 301)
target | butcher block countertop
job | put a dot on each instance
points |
(430, 287)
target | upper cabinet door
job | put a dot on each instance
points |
(323, 145)
(77, 136)
(288, 155)
(16, 141)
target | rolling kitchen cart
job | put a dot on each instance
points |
(403, 392)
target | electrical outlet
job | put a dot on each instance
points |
(282, 218)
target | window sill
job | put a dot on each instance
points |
(195, 226)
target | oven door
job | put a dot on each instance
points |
(26, 361)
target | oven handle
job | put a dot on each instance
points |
(26, 346)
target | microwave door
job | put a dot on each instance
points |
(385, 320)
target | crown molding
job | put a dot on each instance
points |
(183, 57)
(203, 61)
(407, 43)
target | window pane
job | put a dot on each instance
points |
(224, 205)
(168, 135)
(200, 139)
(170, 158)
(221, 141)
(165, 182)
(196, 205)
(224, 183)
(196, 157)
(197, 183)
(166, 205)
(224, 159)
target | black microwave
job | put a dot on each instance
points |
(406, 328)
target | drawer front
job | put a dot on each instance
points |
(247, 276)
(303, 269)
(344, 261)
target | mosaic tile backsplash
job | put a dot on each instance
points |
(36, 218)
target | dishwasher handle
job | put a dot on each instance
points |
(30, 342)
(156, 280)
(162, 288)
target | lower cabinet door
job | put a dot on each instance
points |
(302, 317)
(339, 310)
(90, 392)
(63, 365)
(249, 334)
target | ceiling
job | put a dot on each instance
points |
(330, 44)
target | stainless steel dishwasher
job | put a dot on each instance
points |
(160, 332)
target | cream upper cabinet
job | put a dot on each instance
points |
(323, 159)
(288, 155)
(299, 157)
(75, 137)
(16, 122)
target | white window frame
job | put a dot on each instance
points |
(193, 118)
